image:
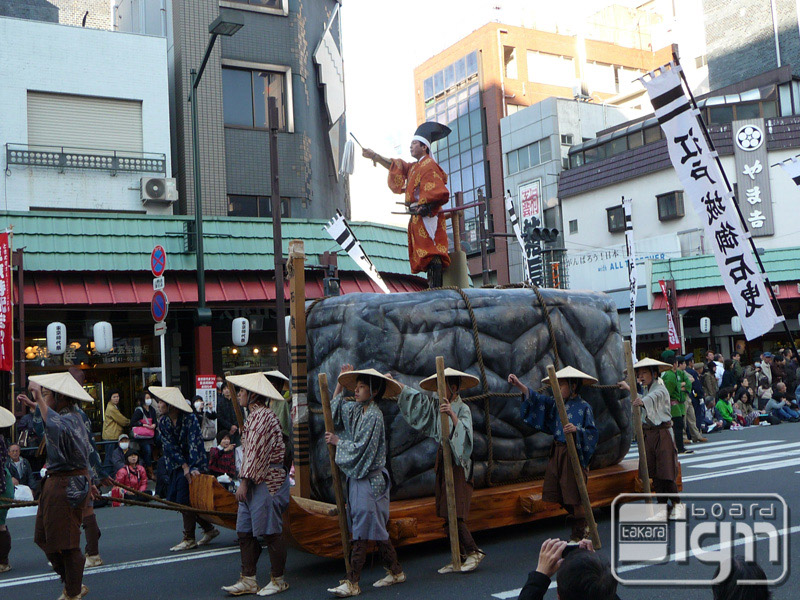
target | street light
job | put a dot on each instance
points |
(223, 25)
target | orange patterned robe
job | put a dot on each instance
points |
(423, 182)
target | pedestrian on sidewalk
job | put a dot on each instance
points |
(423, 413)
(143, 428)
(7, 419)
(361, 455)
(263, 493)
(676, 382)
(184, 458)
(114, 422)
(67, 488)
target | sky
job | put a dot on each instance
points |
(383, 42)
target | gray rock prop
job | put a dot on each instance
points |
(404, 333)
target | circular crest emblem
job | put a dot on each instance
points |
(749, 137)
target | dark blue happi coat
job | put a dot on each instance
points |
(540, 412)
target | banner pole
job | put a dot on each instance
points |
(713, 149)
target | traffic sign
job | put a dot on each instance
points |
(158, 283)
(160, 329)
(158, 261)
(159, 306)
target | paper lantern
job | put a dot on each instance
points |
(56, 338)
(736, 325)
(103, 337)
(705, 325)
(240, 331)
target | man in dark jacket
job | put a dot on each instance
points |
(20, 469)
(582, 574)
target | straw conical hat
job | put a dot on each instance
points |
(572, 373)
(277, 375)
(7, 418)
(62, 383)
(651, 362)
(467, 381)
(172, 396)
(350, 379)
(256, 383)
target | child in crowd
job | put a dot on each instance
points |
(222, 458)
(709, 422)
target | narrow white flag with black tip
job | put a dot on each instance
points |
(339, 229)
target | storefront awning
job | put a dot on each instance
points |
(128, 289)
(717, 296)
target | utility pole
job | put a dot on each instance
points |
(277, 241)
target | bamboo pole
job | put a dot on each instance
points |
(297, 344)
(338, 490)
(644, 474)
(452, 517)
(572, 452)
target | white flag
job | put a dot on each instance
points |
(792, 167)
(512, 215)
(339, 229)
(703, 183)
(627, 208)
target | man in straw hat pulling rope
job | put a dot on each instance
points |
(7, 419)
(67, 487)
(263, 494)
(184, 457)
(540, 412)
(423, 414)
(659, 443)
(361, 455)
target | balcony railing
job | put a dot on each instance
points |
(62, 158)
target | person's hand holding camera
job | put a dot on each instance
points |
(550, 556)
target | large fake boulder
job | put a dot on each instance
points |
(404, 333)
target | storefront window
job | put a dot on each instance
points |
(249, 358)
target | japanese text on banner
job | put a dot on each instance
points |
(702, 180)
(6, 322)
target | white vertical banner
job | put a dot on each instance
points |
(792, 168)
(512, 215)
(703, 182)
(339, 229)
(632, 275)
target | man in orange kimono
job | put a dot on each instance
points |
(424, 184)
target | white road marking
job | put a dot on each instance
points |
(713, 447)
(134, 564)
(678, 556)
(772, 453)
(745, 469)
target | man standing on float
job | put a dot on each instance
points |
(424, 184)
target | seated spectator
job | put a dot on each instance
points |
(741, 570)
(581, 575)
(132, 474)
(222, 458)
(118, 454)
(20, 469)
(778, 407)
(743, 405)
(764, 393)
(797, 395)
(707, 421)
(724, 408)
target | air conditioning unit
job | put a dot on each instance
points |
(159, 189)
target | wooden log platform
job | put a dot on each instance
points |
(414, 521)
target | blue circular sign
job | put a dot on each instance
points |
(158, 261)
(159, 306)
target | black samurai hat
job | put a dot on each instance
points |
(430, 132)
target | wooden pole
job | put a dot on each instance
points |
(452, 516)
(637, 420)
(338, 490)
(572, 452)
(297, 344)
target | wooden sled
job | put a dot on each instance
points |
(313, 527)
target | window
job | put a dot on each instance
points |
(617, 146)
(573, 226)
(510, 61)
(268, 3)
(513, 108)
(255, 206)
(748, 111)
(528, 156)
(576, 160)
(652, 134)
(245, 96)
(616, 219)
(670, 206)
(565, 163)
(700, 61)
(269, 6)
(635, 140)
(601, 77)
(551, 69)
(567, 139)
(719, 115)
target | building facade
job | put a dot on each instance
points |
(85, 135)
(493, 72)
(631, 160)
(535, 142)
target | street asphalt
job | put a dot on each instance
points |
(138, 565)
